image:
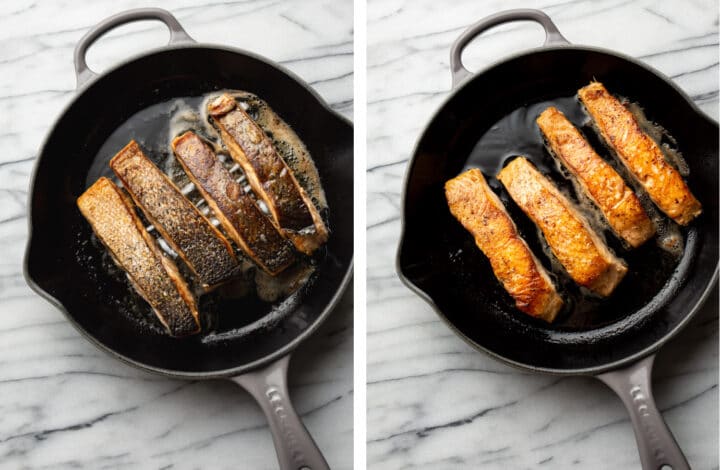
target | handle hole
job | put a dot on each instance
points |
(500, 41)
(126, 41)
(665, 467)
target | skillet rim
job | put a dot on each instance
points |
(221, 373)
(594, 370)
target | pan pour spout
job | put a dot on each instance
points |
(63, 265)
(615, 337)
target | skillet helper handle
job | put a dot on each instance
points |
(458, 70)
(656, 444)
(177, 36)
(295, 448)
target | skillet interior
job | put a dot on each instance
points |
(63, 267)
(438, 257)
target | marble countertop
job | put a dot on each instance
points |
(433, 402)
(63, 403)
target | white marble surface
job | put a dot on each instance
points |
(433, 402)
(64, 404)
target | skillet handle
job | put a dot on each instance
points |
(295, 448)
(656, 444)
(458, 70)
(177, 36)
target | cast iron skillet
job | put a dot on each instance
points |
(91, 298)
(615, 340)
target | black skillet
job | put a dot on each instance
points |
(65, 269)
(614, 340)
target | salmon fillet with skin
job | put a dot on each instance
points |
(239, 215)
(640, 154)
(480, 211)
(292, 210)
(578, 248)
(203, 248)
(597, 178)
(154, 276)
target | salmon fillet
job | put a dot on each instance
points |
(640, 154)
(203, 248)
(480, 211)
(598, 180)
(291, 208)
(237, 212)
(154, 276)
(581, 252)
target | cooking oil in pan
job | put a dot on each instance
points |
(651, 267)
(253, 301)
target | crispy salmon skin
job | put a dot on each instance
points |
(480, 211)
(576, 246)
(599, 181)
(240, 217)
(203, 248)
(269, 176)
(640, 154)
(154, 276)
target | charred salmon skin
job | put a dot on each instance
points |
(154, 276)
(597, 178)
(291, 208)
(480, 211)
(585, 257)
(242, 220)
(203, 248)
(640, 154)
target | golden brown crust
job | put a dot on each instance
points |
(600, 182)
(479, 210)
(581, 252)
(241, 218)
(292, 209)
(154, 277)
(640, 154)
(189, 233)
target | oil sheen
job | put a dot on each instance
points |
(650, 267)
(253, 300)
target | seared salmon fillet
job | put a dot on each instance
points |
(581, 252)
(480, 211)
(598, 180)
(269, 176)
(203, 248)
(154, 276)
(640, 154)
(243, 221)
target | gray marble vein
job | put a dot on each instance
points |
(433, 402)
(63, 403)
